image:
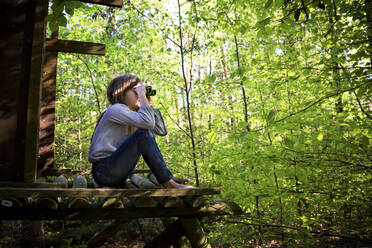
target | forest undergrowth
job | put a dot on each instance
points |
(268, 100)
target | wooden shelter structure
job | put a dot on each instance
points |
(28, 64)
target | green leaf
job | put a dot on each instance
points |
(61, 20)
(268, 4)
(261, 24)
(58, 6)
(288, 143)
(364, 142)
(271, 116)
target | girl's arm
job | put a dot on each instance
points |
(160, 127)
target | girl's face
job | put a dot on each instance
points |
(131, 99)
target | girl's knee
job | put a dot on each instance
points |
(143, 132)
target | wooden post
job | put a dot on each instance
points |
(47, 110)
(195, 233)
(33, 103)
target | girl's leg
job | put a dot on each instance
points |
(114, 170)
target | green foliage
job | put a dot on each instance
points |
(306, 71)
(60, 10)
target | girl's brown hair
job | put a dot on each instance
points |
(116, 90)
(119, 85)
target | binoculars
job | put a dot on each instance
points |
(150, 91)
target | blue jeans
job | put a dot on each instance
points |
(115, 169)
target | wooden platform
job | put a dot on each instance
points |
(75, 192)
(98, 213)
(179, 209)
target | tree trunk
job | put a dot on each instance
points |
(368, 8)
(187, 93)
(241, 83)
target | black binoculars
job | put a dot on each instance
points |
(150, 91)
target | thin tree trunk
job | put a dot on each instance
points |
(224, 78)
(368, 8)
(187, 92)
(242, 85)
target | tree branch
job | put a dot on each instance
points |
(188, 135)
(92, 81)
(313, 104)
(361, 107)
(318, 232)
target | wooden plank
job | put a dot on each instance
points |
(47, 112)
(195, 233)
(67, 171)
(111, 3)
(195, 201)
(173, 201)
(104, 192)
(31, 185)
(33, 104)
(104, 214)
(71, 46)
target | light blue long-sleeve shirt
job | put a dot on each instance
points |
(114, 128)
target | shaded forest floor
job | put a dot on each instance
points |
(136, 233)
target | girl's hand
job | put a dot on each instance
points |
(149, 100)
(140, 89)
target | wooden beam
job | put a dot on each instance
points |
(104, 192)
(195, 233)
(71, 46)
(47, 112)
(33, 100)
(111, 3)
(32, 185)
(67, 171)
(104, 214)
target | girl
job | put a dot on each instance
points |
(114, 151)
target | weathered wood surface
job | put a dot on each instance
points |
(105, 214)
(5, 184)
(195, 233)
(105, 192)
(173, 201)
(71, 46)
(114, 202)
(70, 172)
(111, 3)
(47, 112)
(31, 144)
(195, 201)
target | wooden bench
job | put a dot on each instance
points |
(180, 210)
